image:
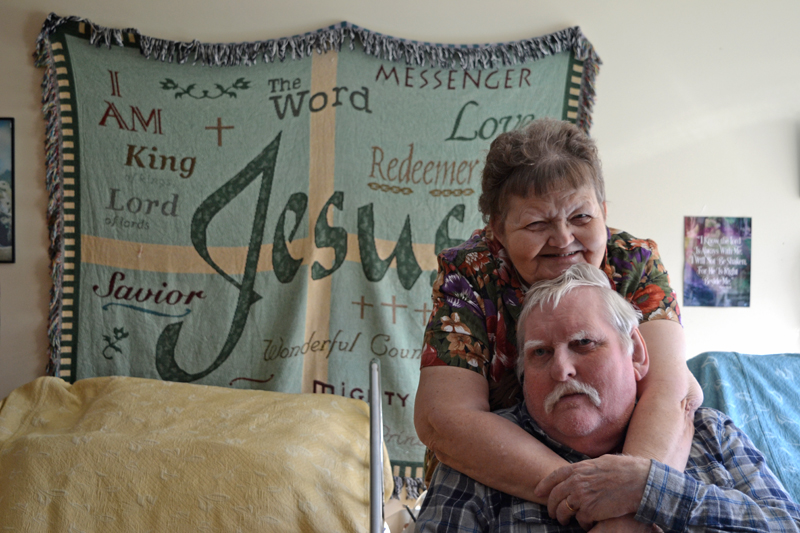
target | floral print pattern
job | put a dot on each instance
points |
(477, 299)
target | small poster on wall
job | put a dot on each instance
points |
(717, 264)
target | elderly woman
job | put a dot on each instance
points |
(544, 200)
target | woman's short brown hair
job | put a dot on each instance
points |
(545, 156)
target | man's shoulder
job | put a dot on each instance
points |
(709, 413)
(447, 481)
(716, 437)
(708, 420)
(454, 500)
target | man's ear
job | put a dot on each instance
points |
(641, 359)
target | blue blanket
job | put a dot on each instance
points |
(761, 393)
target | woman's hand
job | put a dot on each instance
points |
(598, 489)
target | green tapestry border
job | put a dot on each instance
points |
(450, 56)
(62, 168)
(572, 89)
(70, 168)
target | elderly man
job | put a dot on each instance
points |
(582, 357)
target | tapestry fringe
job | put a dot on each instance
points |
(466, 57)
(55, 203)
(414, 487)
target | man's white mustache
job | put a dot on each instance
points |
(570, 387)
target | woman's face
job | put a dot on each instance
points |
(546, 235)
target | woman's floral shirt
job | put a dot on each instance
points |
(477, 298)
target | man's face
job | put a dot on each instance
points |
(573, 346)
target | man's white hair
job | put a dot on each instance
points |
(619, 312)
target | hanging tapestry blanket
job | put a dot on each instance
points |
(267, 214)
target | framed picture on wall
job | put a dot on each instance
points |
(7, 244)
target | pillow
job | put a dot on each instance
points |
(116, 453)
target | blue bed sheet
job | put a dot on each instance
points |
(761, 394)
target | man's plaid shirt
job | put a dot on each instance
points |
(726, 486)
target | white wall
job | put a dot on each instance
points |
(697, 114)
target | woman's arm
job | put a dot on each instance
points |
(662, 425)
(452, 418)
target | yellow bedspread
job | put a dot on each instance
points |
(130, 454)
